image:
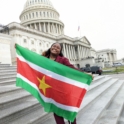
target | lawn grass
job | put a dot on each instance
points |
(113, 70)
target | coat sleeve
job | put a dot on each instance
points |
(67, 63)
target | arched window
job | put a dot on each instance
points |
(40, 43)
(33, 15)
(29, 15)
(41, 14)
(44, 14)
(25, 41)
(32, 42)
(47, 14)
(36, 14)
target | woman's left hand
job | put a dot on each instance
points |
(90, 75)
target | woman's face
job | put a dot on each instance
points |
(55, 49)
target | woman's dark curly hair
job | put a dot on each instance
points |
(47, 53)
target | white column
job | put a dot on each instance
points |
(39, 26)
(35, 26)
(59, 29)
(72, 51)
(56, 29)
(75, 53)
(48, 27)
(62, 30)
(31, 26)
(110, 57)
(44, 27)
(64, 50)
(67, 51)
(115, 57)
(84, 52)
(52, 28)
(87, 53)
(78, 53)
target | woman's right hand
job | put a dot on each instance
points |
(15, 45)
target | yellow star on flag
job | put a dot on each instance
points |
(43, 85)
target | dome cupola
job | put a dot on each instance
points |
(41, 15)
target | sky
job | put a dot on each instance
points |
(101, 21)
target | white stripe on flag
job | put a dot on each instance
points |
(49, 100)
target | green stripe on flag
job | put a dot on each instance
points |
(48, 107)
(56, 67)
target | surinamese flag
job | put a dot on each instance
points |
(58, 88)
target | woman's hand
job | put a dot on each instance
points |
(15, 45)
(90, 75)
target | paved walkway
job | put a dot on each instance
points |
(120, 76)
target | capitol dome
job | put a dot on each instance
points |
(41, 15)
(34, 2)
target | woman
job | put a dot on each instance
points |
(55, 53)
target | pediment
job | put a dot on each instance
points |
(85, 40)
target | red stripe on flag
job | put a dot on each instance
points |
(61, 92)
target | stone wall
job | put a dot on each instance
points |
(5, 49)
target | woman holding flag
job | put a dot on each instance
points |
(55, 53)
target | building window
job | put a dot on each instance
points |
(40, 43)
(29, 15)
(32, 42)
(47, 45)
(41, 13)
(47, 14)
(33, 15)
(25, 41)
(37, 14)
(44, 14)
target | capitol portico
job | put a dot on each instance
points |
(39, 28)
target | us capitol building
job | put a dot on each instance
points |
(39, 28)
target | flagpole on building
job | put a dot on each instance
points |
(79, 29)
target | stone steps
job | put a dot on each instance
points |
(113, 111)
(7, 89)
(43, 116)
(6, 78)
(121, 118)
(7, 74)
(17, 106)
(94, 110)
(16, 111)
(7, 71)
(4, 65)
(6, 68)
(8, 81)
